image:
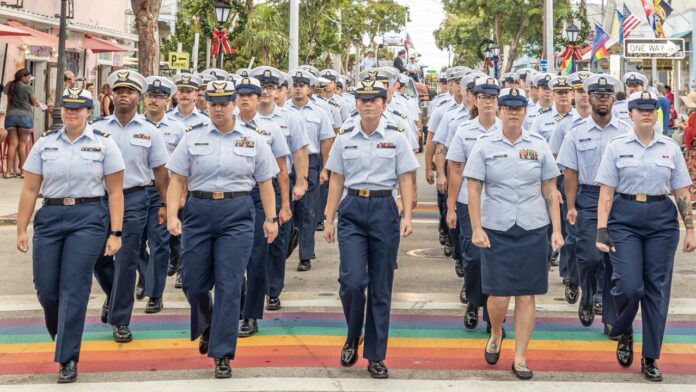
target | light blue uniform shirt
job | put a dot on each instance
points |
(396, 121)
(349, 101)
(330, 110)
(545, 122)
(401, 120)
(584, 146)
(443, 126)
(561, 130)
(457, 121)
(142, 147)
(317, 124)
(342, 106)
(532, 114)
(269, 131)
(461, 144)
(411, 110)
(439, 111)
(436, 101)
(372, 161)
(620, 111)
(74, 169)
(512, 174)
(172, 131)
(217, 162)
(196, 117)
(292, 127)
(655, 169)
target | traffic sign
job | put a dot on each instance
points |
(179, 60)
(543, 65)
(660, 48)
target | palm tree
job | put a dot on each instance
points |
(264, 36)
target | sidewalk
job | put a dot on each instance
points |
(9, 198)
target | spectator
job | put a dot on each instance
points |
(19, 121)
(96, 109)
(68, 79)
(665, 107)
(399, 61)
(369, 61)
(107, 100)
(690, 139)
(669, 95)
(413, 68)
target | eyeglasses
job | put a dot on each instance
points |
(269, 88)
(156, 97)
(486, 98)
(599, 95)
(513, 109)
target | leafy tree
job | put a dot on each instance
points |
(264, 38)
(146, 13)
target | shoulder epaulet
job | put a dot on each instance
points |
(440, 104)
(101, 133)
(398, 113)
(170, 110)
(333, 102)
(345, 130)
(151, 122)
(102, 118)
(486, 135)
(578, 122)
(618, 137)
(355, 113)
(394, 128)
(199, 125)
(49, 132)
(536, 135)
(205, 114)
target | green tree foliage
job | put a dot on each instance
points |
(263, 38)
(515, 24)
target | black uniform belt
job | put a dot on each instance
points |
(593, 188)
(369, 193)
(217, 195)
(70, 201)
(133, 190)
(642, 198)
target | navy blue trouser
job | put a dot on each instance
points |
(645, 236)
(591, 263)
(216, 243)
(262, 255)
(275, 274)
(116, 275)
(154, 249)
(66, 244)
(368, 242)
(471, 258)
(305, 210)
(567, 264)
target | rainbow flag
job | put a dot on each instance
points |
(599, 49)
(567, 65)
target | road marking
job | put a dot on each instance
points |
(348, 384)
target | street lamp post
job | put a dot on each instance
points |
(222, 13)
(494, 51)
(57, 121)
(487, 56)
(572, 32)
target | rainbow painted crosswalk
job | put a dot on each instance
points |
(161, 342)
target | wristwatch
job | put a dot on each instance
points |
(163, 205)
(272, 219)
(116, 233)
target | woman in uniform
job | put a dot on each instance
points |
(368, 160)
(517, 172)
(637, 225)
(486, 105)
(221, 162)
(70, 167)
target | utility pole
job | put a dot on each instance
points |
(548, 33)
(57, 121)
(294, 34)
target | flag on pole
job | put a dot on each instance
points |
(628, 23)
(599, 48)
(408, 42)
(649, 13)
(662, 11)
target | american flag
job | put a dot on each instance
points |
(630, 22)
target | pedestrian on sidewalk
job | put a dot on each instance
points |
(19, 120)
(69, 167)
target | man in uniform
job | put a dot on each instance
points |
(545, 102)
(145, 153)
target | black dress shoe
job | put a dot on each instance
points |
(649, 368)
(462, 295)
(140, 289)
(459, 268)
(320, 226)
(349, 354)
(304, 265)
(471, 317)
(105, 311)
(377, 369)
(585, 315)
(248, 327)
(443, 238)
(492, 357)
(449, 249)
(607, 331)
(624, 350)
(597, 308)
(572, 293)
(273, 303)
(172, 266)
(122, 334)
(314, 256)
(67, 372)
(177, 282)
(203, 342)
(222, 368)
(554, 259)
(154, 305)
(522, 372)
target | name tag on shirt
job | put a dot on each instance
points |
(350, 147)
(529, 154)
(626, 156)
(386, 145)
(666, 157)
(141, 136)
(469, 138)
(92, 149)
(585, 140)
(244, 142)
(50, 148)
(499, 156)
(201, 144)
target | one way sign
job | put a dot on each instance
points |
(660, 48)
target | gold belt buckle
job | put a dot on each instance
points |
(642, 198)
(364, 193)
(69, 201)
(218, 195)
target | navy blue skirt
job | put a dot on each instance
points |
(516, 262)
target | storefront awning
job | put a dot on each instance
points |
(36, 37)
(8, 31)
(98, 45)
